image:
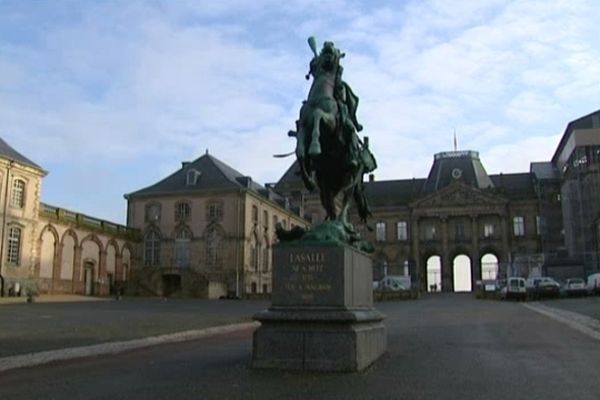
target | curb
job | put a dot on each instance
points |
(579, 322)
(70, 353)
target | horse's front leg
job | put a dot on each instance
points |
(314, 149)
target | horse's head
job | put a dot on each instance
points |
(330, 56)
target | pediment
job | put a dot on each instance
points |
(459, 195)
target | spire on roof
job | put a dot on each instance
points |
(455, 142)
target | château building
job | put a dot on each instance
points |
(46, 249)
(207, 231)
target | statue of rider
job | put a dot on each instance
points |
(346, 100)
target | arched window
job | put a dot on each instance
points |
(434, 274)
(489, 266)
(13, 254)
(17, 198)
(265, 255)
(214, 252)
(151, 248)
(182, 248)
(254, 252)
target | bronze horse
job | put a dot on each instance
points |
(327, 146)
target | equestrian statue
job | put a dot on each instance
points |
(331, 156)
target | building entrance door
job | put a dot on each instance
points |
(88, 279)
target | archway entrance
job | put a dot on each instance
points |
(461, 268)
(489, 266)
(434, 274)
(88, 278)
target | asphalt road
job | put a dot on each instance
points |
(26, 328)
(440, 347)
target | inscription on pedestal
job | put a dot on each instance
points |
(307, 276)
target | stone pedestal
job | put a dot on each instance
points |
(322, 316)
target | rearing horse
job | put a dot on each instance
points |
(323, 144)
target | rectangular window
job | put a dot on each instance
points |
(266, 219)
(519, 226)
(488, 230)
(430, 232)
(17, 198)
(214, 211)
(402, 230)
(182, 211)
(380, 232)
(459, 231)
(538, 225)
(255, 214)
(153, 212)
(13, 254)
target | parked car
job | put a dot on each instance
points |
(542, 287)
(593, 284)
(574, 287)
(515, 288)
(393, 284)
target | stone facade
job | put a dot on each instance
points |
(421, 227)
(46, 249)
(207, 231)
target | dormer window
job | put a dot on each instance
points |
(192, 177)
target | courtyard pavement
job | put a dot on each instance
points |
(57, 322)
(439, 347)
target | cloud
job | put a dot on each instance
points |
(147, 85)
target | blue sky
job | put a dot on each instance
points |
(111, 96)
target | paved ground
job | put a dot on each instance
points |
(589, 306)
(26, 328)
(440, 347)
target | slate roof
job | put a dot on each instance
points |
(471, 170)
(393, 192)
(389, 193)
(213, 175)
(290, 177)
(517, 186)
(6, 151)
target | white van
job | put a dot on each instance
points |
(515, 289)
(593, 284)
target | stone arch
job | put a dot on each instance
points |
(72, 233)
(489, 265)
(52, 229)
(433, 270)
(126, 261)
(90, 255)
(69, 243)
(462, 273)
(47, 247)
(112, 252)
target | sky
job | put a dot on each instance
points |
(111, 96)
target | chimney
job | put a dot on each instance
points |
(371, 177)
(184, 164)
